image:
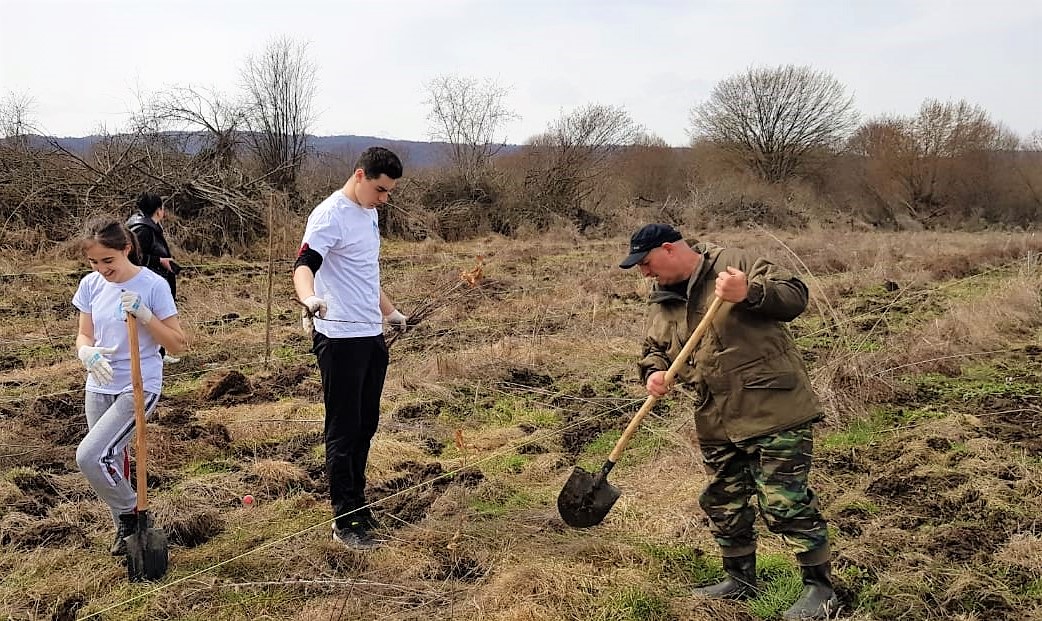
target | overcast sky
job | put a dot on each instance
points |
(82, 62)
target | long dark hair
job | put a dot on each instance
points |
(113, 234)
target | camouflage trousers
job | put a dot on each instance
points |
(774, 469)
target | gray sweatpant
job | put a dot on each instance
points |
(102, 455)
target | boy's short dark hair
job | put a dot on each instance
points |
(149, 203)
(376, 161)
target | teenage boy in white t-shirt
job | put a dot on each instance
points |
(337, 277)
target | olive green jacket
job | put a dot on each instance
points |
(747, 375)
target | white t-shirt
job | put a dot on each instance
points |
(347, 236)
(100, 299)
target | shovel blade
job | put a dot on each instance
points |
(586, 498)
(146, 554)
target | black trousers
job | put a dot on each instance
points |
(353, 371)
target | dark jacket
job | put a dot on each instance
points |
(153, 245)
(747, 373)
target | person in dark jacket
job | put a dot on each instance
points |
(753, 403)
(155, 252)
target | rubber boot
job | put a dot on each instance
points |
(818, 600)
(740, 583)
(127, 526)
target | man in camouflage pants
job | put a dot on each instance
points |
(753, 403)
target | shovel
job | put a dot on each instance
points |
(146, 547)
(587, 497)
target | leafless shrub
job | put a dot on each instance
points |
(950, 162)
(280, 86)
(467, 114)
(567, 162)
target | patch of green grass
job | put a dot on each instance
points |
(202, 468)
(632, 604)
(285, 354)
(780, 585)
(29, 355)
(182, 385)
(976, 383)
(1034, 589)
(512, 464)
(603, 443)
(866, 430)
(512, 409)
(863, 505)
(496, 502)
(860, 432)
(684, 563)
(642, 445)
(22, 474)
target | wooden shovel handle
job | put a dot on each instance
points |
(140, 444)
(678, 362)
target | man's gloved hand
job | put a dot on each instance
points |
(131, 303)
(93, 358)
(314, 306)
(397, 320)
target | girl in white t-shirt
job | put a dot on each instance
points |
(116, 291)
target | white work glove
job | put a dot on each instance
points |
(97, 364)
(397, 320)
(315, 306)
(131, 303)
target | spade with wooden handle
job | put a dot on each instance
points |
(588, 497)
(146, 547)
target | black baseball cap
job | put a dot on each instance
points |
(649, 237)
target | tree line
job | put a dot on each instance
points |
(780, 146)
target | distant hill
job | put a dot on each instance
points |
(415, 154)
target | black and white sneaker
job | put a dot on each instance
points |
(356, 536)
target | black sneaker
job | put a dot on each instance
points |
(356, 536)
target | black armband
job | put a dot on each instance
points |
(309, 258)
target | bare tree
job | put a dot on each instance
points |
(467, 114)
(207, 122)
(774, 119)
(280, 87)
(654, 172)
(16, 122)
(1034, 141)
(934, 162)
(573, 155)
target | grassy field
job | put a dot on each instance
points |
(926, 349)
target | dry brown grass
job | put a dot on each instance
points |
(551, 338)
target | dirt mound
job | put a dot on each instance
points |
(59, 419)
(228, 387)
(451, 564)
(294, 448)
(1020, 427)
(528, 377)
(181, 423)
(299, 381)
(39, 491)
(580, 430)
(423, 409)
(193, 529)
(22, 532)
(409, 496)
